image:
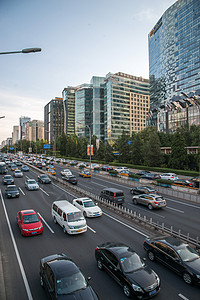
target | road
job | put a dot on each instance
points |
(20, 256)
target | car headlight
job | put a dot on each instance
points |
(137, 288)
(25, 229)
(198, 276)
(71, 227)
(40, 227)
(157, 277)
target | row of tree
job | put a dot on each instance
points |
(143, 148)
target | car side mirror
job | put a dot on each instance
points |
(89, 278)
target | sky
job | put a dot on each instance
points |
(79, 39)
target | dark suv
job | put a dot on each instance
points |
(62, 279)
(12, 191)
(113, 195)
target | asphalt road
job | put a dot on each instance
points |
(20, 256)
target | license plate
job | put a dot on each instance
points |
(152, 293)
(34, 232)
(161, 203)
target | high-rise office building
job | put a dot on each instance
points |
(174, 52)
(121, 113)
(53, 119)
(69, 110)
(22, 121)
(15, 134)
(34, 130)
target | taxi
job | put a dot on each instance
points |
(51, 171)
(85, 174)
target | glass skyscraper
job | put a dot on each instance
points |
(174, 52)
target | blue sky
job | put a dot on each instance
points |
(79, 39)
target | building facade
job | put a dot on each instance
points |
(120, 115)
(22, 121)
(15, 134)
(69, 110)
(34, 130)
(53, 119)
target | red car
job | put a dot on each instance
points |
(29, 222)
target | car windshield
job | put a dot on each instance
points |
(44, 177)
(159, 198)
(30, 219)
(89, 204)
(131, 263)
(12, 188)
(188, 254)
(75, 216)
(71, 284)
(31, 182)
(8, 177)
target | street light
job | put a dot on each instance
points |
(26, 50)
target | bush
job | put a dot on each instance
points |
(134, 176)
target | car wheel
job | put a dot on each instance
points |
(131, 191)
(64, 229)
(151, 255)
(150, 207)
(126, 290)
(99, 265)
(54, 219)
(135, 201)
(41, 281)
(187, 278)
(84, 214)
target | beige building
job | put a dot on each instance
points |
(139, 109)
(34, 130)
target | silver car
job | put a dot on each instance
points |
(150, 200)
(31, 184)
(18, 173)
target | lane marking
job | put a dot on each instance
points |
(145, 210)
(126, 225)
(183, 203)
(183, 297)
(44, 191)
(45, 223)
(91, 229)
(28, 291)
(181, 211)
(21, 191)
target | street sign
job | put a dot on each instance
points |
(47, 146)
(11, 148)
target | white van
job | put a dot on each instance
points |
(69, 217)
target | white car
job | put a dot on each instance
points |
(31, 185)
(169, 176)
(120, 169)
(88, 207)
(66, 172)
(18, 173)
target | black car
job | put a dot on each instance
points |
(142, 190)
(71, 179)
(7, 179)
(183, 182)
(12, 191)
(128, 269)
(106, 168)
(176, 255)
(142, 173)
(62, 279)
(43, 178)
(150, 176)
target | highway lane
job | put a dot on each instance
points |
(179, 213)
(81, 248)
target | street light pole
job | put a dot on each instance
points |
(90, 143)
(26, 50)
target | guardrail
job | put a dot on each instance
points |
(132, 215)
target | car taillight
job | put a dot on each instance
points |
(155, 202)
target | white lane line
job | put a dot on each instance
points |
(17, 252)
(145, 211)
(45, 222)
(91, 229)
(125, 225)
(21, 191)
(27, 177)
(181, 211)
(44, 191)
(183, 203)
(183, 297)
(98, 184)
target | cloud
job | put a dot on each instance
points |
(146, 14)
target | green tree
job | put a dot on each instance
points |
(137, 157)
(153, 153)
(178, 157)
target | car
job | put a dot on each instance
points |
(18, 173)
(176, 255)
(142, 173)
(12, 191)
(88, 207)
(125, 173)
(31, 185)
(14, 167)
(62, 279)
(120, 169)
(25, 168)
(106, 168)
(130, 271)
(195, 181)
(150, 176)
(142, 190)
(29, 222)
(43, 178)
(65, 172)
(51, 171)
(70, 178)
(18, 163)
(183, 182)
(85, 174)
(169, 176)
(7, 179)
(50, 166)
(150, 200)
(73, 163)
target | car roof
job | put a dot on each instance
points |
(83, 199)
(63, 267)
(27, 211)
(170, 241)
(118, 249)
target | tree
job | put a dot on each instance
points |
(153, 153)
(178, 157)
(124, 148)
(136, 153)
